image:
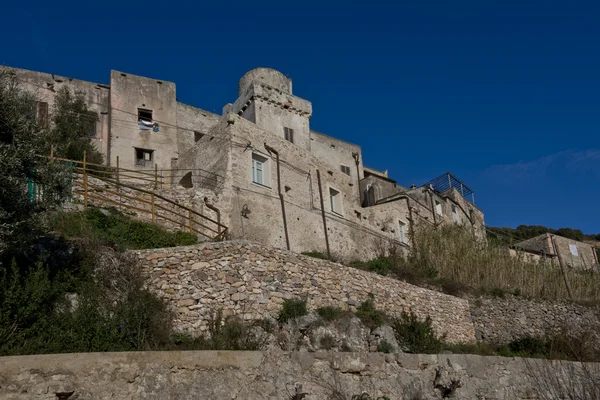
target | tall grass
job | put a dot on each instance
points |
(487, 266)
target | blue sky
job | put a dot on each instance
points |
(504, 94)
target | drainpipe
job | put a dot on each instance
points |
(411, 223)
(357, 162)
(272, 150)
(562, 267)
(432, 208)
(323, 214)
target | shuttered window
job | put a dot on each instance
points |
(288, 133)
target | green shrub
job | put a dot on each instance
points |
(225, 334)
(416, 335)
(327, 342)
(530, 347)
(369, 315)
(330, 313)
(119, 230)
(315, 254)
(385, 347)
(292, 308)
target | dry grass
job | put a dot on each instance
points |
(486, 266)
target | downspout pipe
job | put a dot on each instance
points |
(285, 229)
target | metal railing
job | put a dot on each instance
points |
(108, 187)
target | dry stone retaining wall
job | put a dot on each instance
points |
(502, 320)
(252, 281)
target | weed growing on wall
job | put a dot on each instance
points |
(292, 308)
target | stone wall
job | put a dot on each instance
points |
(272, 375)
(252, 281)
(501, 320)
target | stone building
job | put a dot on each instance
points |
(263, 166)
(557, 249)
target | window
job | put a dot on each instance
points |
(455, 217)
(92, 131)
(288, 133)
(144, 115)
(144, 157)
(573, 249)
(198, 136)
(438, 208)
(335, 200)
(346, 169)
(402, 233)
(42, 114)
(261, 172)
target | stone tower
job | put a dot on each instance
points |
(265, 98)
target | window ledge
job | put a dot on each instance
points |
(261, 185)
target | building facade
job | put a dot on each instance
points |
(274, 179)
(557, 250)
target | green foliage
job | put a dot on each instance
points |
(416, 335)
(53, 311)
(119, 230)
(327, 342)
(316, 254)
(292, 308)
(385, 347)
(330, 313)
(379, 265)
(74, 125)
(224, 334)
(369, 315)
(21, 138)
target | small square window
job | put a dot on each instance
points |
(345, 169)
(198, 136)
(144, 157)
(261, 173)
(573, 249)
(335, 201)
(288, 133)
(144, 115)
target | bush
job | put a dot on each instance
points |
(385, 347)
(107, 309)
(292, 308)
(225, 334)
(369, 315)
(327, 342)
(315, 254)
(417, 336)
(330, 313)
(118, 230)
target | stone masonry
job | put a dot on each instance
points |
(280, 375)
(502, 320)
(252, 281)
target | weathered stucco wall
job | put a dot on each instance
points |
(96, 96)
(128, 93)
(502, 320)
(189, 120)
(273, 375)
(252, 280)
